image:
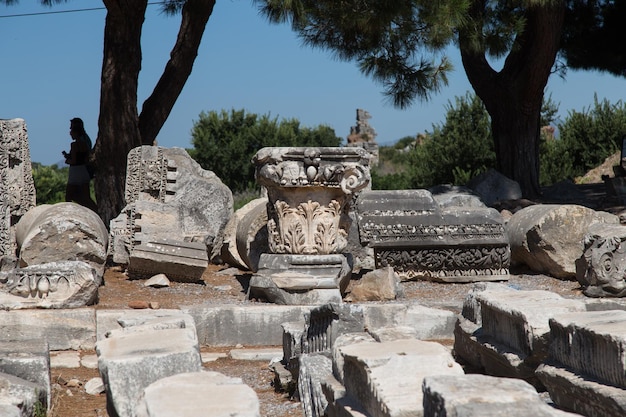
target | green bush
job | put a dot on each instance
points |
(225, 142)
(50, 182)
(588, 137)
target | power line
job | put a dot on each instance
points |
(64, 11)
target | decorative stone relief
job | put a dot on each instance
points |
(308, 192)
(66, 284)
(168, 196)
(418, 239)
(17, 186)
(601, 270)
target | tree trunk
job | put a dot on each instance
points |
(118, 130)
(158, 106)
(513, 96)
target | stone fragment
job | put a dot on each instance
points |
(590, 343)
(446, 195)
(258, 354)
(130, 362)
(169, 196)
(313, 369)
(383, 377)
(379, 285)
(601, 270)
(53, 285)
(17, 187)
(65, 232)
(63, 329)
(492, 187)
(514, 335)
(65, 359)
(157, 281)
(483, 396)
(426, 322)
(94, 386)
(548, 238)
(419, 240)
(180, 261)
(301, 279)
(584, 372)
(28, 360)
(194, 394)
(250, 239)
(25, 395)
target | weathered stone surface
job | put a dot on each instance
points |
(379, 285)
(194, 394)
(17, 189)
(116, 322)
(483, 396)
(591, 343)
(251, 238)
(492, 187)
(66, 284)
(63, 328)
(252, 325)
(601, 270)
(314, 368)
(575, 392)
(412, 234)
(455, 196)
(180, 261)
(28, 360)
(383, 377)
(130, 362)
(301, 279)
(514, 334)
(309, 196)
(167, 182)
(65, 232)
(427, 323)
(520, 319)
(548, 238)
(24, 395)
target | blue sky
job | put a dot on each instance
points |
(50, 72)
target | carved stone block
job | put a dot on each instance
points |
(67, 284)
(17, 188)
(180, 261)
(301, 279)
(418, 239)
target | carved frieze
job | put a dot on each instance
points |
(67, 284)
(345, 168)
(447, 263)
(412, 234)
(146, 174)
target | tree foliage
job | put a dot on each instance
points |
(399, 44)
(594, 35)
(225, 142)
(50, 181)
(589, 136)
(457, 149)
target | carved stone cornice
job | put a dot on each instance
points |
(345, 168)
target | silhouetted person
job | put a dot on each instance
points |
(77, 189)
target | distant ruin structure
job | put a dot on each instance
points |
(363, 135)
